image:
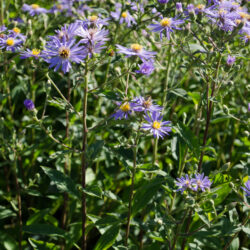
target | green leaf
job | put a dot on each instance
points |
(42, 245)
(63, 182)
(235, 244)
(203, 216)
(34, 218)
(44, 229)
(8, 242)
(145, 193)
(179, 92)
(94, 150)
(93, 190)
(108, 238)
(188, 137)
(5, 213)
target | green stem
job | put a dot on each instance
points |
(83, 156)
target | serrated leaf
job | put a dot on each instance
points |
(108, 238)
(62, 182)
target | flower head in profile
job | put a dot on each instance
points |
(136, 50)
(183, 183)
(10, 43)
(62, 53)
(33, 9)
(16, 32)
(247, 188)
(124, 110)
(145, 105)
(156, 126)
(68, 31)
(200, 182)
(123, 17)
(146, 68)
(230, 60)
(29, 104)
(166, 25)
(35, 53)
(94, 21)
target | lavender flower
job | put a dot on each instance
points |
(200, 182)
(156, 126)
(10, 43)
(190, 8)
(183, 183)
(67, 31)
(247, 188)
(94, 22)
(136, 50)
(166, 24)
(35, 53)
(230, 60)
(124, 110)
(94, 39)
(16, 32)
(145, 105)
(179, 7)
(199, 8)
(146, 68)
(29, 104)
(123, 16)
(33, 9)
(62, 53)
(163, 1)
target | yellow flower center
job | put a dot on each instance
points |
(147, 103)
(238, 21)
(125, 107)
(136, 47)
(93, 18)
(124, 14)
(165, 22)
(59, 6)
(16, 30)
(35, 6)
(222, 11)
(187, 182)
(156, 125)
(198, 182)
(10, 41)
(243, 15)
(200, 6)
(248, 36)
(35, 52)
(234, 3)
(64, 52)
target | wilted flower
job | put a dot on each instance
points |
(29, 104)
(247, 188)
(136, 50)
(183, 183)
(230, 60)
(62, 53)
(33, 9)
(166, 24)
(146, 68)
(124, 110)
(155, 125)
(200, 182)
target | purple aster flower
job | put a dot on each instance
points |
(230, 60)
(200, 182)
(155, 125)
(94, 39)
(249, 107)
(179, 7)
(146, 68)
(190, 8)
(2, 28)
(183, 183)
(10, 43)
(67, 31)
(145, 105)
(35, 53)
(16, 32)
(29, 104)
(162, 1)
(199, 8)
(33, 9)
(94, 22)
(124, 110)
(124, 17)
(247, 188)
(166, 24)
(62, 53)
(136, 50)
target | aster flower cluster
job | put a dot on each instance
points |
(151, 113)
(200, 182)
